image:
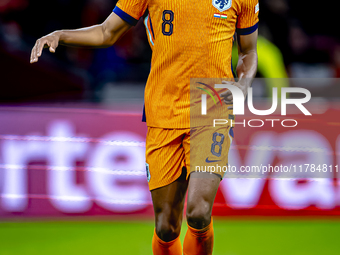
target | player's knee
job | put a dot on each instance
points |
(199, 215)
(167, 229)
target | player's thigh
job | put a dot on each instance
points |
(168, 204)
(169, 200)
(209, 149)
(202, 191)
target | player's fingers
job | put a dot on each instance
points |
(49, 46)
(228, 101)
(34, 56)
(229, 97)
(52, 46)
(40, 47)
(225, 94)
(33, 53)
(227, 82)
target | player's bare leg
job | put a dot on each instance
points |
(201, 195)
(168, 203)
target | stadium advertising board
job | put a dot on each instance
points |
(64, 162)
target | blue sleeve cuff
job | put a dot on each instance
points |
(144, 116)
(124, 16)
(248, 30)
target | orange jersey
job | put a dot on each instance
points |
(189, 39)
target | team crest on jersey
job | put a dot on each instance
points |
(222, 5)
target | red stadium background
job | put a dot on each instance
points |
(91, 162)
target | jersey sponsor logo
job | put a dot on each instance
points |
(222, 5)
(148, 176)
(211, 161)
(257, 8)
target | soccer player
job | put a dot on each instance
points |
(189, 39)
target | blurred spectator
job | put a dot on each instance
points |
(274, 16)
(307, 59)
(336, 60)
(11, 5)
(12, 34)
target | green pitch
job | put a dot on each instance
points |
(232, 237)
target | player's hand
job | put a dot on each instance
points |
(50, 41)
(227, 96)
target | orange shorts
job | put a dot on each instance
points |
(201, 149)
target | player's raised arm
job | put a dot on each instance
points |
(103, 35)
